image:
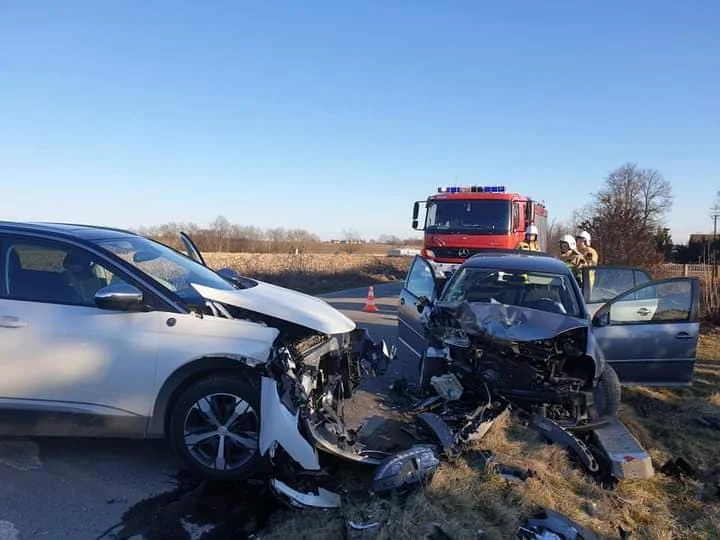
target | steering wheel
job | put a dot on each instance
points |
(548, 304)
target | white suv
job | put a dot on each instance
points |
(107, 333)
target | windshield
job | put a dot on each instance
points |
(165, 265)
(473, 216)
(547, 292)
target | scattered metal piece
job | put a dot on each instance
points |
(567, 440)
(590, 508)
(362, 526)
(625, 456)
(442, 432)
(323, 499)
(548, 524)
(480, 459)
(405, 469)
(678, 468)
(447, 386)
(512, 473)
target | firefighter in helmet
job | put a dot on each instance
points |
(591, 255)
(571, 256)
(531, 239)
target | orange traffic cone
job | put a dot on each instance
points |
(370, 304)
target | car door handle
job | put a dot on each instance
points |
(683, 335)
(7, 321)
(643, 311)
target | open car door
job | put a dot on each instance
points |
(191, 249)
(649, 334)
(421, 280)
(603, 283)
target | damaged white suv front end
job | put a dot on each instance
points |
(313, 366)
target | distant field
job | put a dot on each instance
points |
(314, 273)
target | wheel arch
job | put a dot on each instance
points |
(186, 375)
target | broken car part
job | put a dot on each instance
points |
(567, 440)
(627, 458)
(279, 426)
(297, 499)
(447, 386)
(547, 524)
(405, 469)
(442, 432)
(678, 468)
(362, 526)
(538, 360)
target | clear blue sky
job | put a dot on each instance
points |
(329, 115)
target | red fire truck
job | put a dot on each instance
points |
(463, 220)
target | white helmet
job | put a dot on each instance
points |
(531, 229)
(584, 235)
(569, 240)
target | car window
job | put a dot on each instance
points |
(421, 280)
(43, 272)
(608, 283)
(170, 268)
(537, 290)
(664, 302)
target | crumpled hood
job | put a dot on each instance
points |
(512, 323)
(285, 304)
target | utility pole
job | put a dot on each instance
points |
(715, 215)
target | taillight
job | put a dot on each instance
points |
(428, 254)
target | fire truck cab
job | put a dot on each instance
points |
(461, 221)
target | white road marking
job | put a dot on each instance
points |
(20, 454)
(8, 531)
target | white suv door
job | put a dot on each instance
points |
(68, 367)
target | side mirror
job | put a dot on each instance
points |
(421, 303)
(120, 297)
(601, 317)
(416, 212)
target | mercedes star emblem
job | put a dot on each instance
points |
(464, 253)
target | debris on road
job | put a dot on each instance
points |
(362, 526)
(678, 468)
(407, 469)
(547, 524)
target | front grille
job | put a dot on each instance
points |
(454, 253)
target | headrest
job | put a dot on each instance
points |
(77, 265)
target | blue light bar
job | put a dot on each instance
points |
(472, 189)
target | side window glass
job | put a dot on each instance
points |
(40, 272)
(421, 281)
(516, 217)
(666, 302)
(607, 283)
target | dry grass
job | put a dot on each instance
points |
(314, 273)
(463, 500)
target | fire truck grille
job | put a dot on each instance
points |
(454, 253)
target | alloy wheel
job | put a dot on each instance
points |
(221, 431)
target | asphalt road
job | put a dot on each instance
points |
(79, 488)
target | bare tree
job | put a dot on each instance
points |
(352, 239)
(624, 216)
(222, 229)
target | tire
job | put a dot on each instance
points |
(204, 434)
(607, 393)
